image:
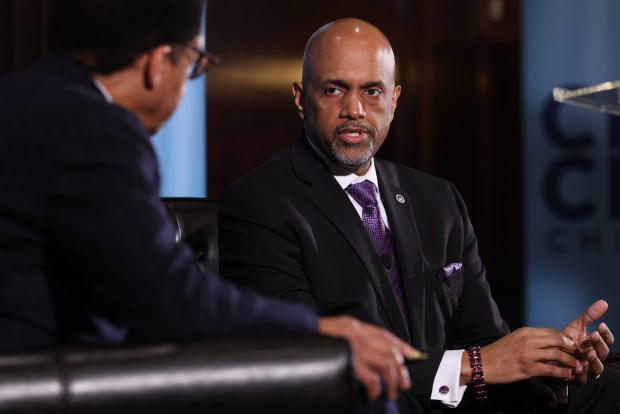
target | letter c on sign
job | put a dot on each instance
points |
(551, 188)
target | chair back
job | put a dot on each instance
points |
(195, 220)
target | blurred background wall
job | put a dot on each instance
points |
(460, 115)
(571, 161)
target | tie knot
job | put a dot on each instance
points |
(365, 193)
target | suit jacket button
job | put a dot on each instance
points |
(400, 199)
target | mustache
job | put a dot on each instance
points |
(353, 124)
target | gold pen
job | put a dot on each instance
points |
(417, 356)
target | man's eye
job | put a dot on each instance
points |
(333, 91)
(374, 92)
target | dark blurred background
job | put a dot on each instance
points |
(458, 115)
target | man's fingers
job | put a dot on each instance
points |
(541, 369)
(594, 312)
(370, 381)
(387, 367)
(404, 382)
(606, 334)
(581, 374)
(600, 347)
(552, 339)
(595, 365)
(404, 348)
(557, 357)
(405, 379)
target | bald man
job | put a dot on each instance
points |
(328, 225)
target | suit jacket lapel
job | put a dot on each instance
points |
(406, 241)
(328, 196)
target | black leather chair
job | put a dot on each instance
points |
(302, 374)
(195, 220)
(283, 374)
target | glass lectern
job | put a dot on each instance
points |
(604, 97)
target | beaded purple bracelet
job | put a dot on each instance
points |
(477, 375)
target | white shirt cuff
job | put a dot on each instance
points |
(446, 386)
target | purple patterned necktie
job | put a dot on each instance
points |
(365, 195)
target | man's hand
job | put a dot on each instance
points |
(594, 347)
(525, 353)
(377, 354)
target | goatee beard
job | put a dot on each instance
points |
(354, 160)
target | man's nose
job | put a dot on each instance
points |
(352, 107)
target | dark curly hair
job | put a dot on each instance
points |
(116, 32)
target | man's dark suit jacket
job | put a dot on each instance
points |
(289, 230)
(87, 253)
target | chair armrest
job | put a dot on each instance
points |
(293, 374)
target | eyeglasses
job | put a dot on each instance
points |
(203, 62)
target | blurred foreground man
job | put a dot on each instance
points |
(328, 225)
(87, 253)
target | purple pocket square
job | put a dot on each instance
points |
(449, 269)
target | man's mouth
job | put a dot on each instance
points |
(352, 136)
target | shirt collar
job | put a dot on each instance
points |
(371, 175)
(104, 91)
(346, 180)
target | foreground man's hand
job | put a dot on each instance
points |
(377, 354)
(593, 347)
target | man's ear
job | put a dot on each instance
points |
(155, 63)
(395, 95)
(298, 94)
